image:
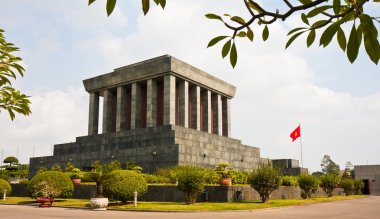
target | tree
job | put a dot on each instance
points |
(331, 15)
(328, 166)
(265, 180)
(11, 160)
(11, 100)
(329, 182)
(309, 184)
(191, 180)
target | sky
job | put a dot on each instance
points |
(63, 42)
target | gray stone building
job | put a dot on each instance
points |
(160, 112)
(370, 174)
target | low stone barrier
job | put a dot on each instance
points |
(170, 193)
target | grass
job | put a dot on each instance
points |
(180, 206)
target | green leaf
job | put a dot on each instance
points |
(290, 41)
(91, 1)
(238, 19)
(145, 6)
(250, 34)
(241, 34)
(318, 10)
(371, 44)
(336, 6)
(110, 6)
(233, 55)
(265, 33)
(254, 7)
(318, 23)
(359, 31)
(163, 3)
(310, 38)
(296, 29)
(341, 38)
(226, 48)
(304, 19)
(216, 40)
(329, 33)
(353, 45)
(213, 16)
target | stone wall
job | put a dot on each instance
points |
(152, 148)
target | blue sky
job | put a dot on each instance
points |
(64, 42)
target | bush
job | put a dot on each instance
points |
(211, 177)
(329, 182)
(42, 169)
(264, 180)
(50, 184)
(154, 179)
(56, 167)
(348, 185)
(167, 172)
(4, 175)
(358, 186)
(289, 180)
(121, 184)
(191, 180)
(309, 184)
(238, 177)
(24, 182)
(5, 185)
(76, 174)
(87, 177)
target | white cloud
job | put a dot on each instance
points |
(58, 116)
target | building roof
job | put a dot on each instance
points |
(156, 67)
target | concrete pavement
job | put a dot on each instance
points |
(351, 209)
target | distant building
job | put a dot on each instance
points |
(289, 167)
(370, 174)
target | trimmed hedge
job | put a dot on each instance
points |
(51, 184)
(121, 184)
(5, 185)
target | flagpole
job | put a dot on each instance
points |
(301, 146)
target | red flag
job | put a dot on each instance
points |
(296, 133)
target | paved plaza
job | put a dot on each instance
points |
(351, 209)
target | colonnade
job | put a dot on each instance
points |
(160, 101)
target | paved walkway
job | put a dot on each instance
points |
(350, 209)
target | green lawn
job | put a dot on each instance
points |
(180, 206)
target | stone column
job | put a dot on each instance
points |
(169, 99)
(121, 109)
(195, 96)
(151, 104)
(108, 111)
(217, 114)
(226, 114)
(183, 93)
(135, 106)
(206, 114)
(93, 120)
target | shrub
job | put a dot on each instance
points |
(5, 185)
(56, 167)
(87, 177)
(167, 172)
(42, 169)
(329, 182)
(154, 179)
(348, 185)
(211, 177)
(131, 165)
(264, 180)
(309, 184)
(4, 175)
(289, 180)
(76, 174)
(50, 184)
(11, 160)
(121, 184)
(24, 182)
(238, 177)
(224, 170)
(191, 180)
(359, 185)
(69, 167)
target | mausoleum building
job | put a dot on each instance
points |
(160, 112)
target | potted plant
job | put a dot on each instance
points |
(98, 173)
(76, 176)
(225, 172)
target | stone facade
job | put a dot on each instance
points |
(159, 112)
